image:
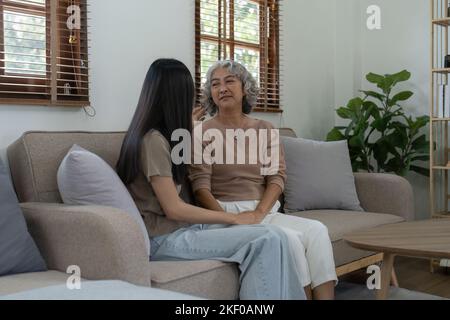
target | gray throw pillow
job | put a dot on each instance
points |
(319, 176)
(86, 179)
(18, 252)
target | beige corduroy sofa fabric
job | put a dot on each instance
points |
(107, 244)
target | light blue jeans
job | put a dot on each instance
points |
(267, 270)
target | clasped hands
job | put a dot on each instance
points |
(250, 217)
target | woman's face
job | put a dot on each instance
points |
(226, 90)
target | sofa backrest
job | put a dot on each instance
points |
(35, 157)
(287, 132)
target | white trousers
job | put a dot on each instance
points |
(309, 242)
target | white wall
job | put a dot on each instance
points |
(402, 43)
(123, 47)
(309, 76)
(347, 64)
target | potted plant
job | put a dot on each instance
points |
(381, 137)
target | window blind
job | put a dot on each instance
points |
(246, 31)
(44, 52)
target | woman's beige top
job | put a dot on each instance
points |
(155, 161)
(236, 182)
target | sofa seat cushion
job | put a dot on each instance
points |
(32, 280)
(219, 280)
(99, 290)
(341, 222)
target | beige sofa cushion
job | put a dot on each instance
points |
(340, 222)
(185, 276)
(179, 276)
(32, 280)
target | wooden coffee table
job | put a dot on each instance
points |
(422, 239)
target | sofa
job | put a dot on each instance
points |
(107, 244)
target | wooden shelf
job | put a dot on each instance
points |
(441, 168)
(444, 22)
(439, 126)
(269, 110)
(435, 264)
(441, 215)
(441, 70)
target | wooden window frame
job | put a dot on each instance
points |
(268, 48)
(49, 89)
(18, 79)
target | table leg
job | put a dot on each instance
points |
(394, 280)
(386, 272)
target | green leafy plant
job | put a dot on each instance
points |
(381, 137)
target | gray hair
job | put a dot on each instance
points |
(250, 87)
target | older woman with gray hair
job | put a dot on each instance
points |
(229, 94)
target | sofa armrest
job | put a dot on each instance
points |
(385, 193)
(104, 242)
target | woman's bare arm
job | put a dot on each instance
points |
(207, 200)
(270, 197)
(176, 209)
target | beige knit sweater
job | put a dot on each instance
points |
(236, 182)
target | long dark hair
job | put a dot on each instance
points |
(165, 104)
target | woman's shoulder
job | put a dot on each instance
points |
(252, 123)
(259, 124)
(211, 123)
(155, 139)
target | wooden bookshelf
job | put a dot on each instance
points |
(439, 114)
(439, 118)
(441, 215)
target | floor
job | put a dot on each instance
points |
(413, 274)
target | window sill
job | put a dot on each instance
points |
(43, 103)
(267, 110)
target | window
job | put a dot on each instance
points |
(243, 30)
(44, 52)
